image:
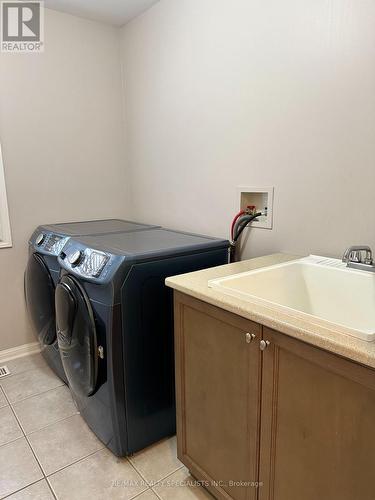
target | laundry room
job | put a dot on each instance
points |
(186, 249)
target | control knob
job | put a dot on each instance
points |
(39, 239)
(75, 258)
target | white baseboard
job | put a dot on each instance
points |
(19, 351)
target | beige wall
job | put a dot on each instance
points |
(217, 94)
(222, 93)
(62, 135)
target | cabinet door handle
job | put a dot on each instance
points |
(264, 344)
(250, 337)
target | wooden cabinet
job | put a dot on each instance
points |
(298, 420)
(318, 424)
(218, 393)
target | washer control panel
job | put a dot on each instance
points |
(49, 243)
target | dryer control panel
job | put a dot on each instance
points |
(89, 262)
(85, 262)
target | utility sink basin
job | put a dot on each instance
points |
(318, 289)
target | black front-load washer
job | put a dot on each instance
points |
(114, 319)
(42, 274)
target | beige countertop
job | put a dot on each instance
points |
(196, 285)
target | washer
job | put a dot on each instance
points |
(42, 273)
(114, 319)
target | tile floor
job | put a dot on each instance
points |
(47, 451)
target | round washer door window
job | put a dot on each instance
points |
(76, 335)
(40, 299)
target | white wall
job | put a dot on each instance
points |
(61, 128)
(222, 93)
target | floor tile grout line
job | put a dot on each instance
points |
(23, 488)
(160, 498)
(31, 448)
(42, 428)
(36, 457)
(74, 462)
(51, 489)
(139, 494)
(12, 440)
(40, 393)
(155, 493)
(15, 416)
(44, 478)
(52, 423)
(162, 479)
(168, 475)
(33, 395)
(138, 472)
(27, 441)
(2, 392)
(12, 405)
(189, 474)
(40, 365)
(12, 375)
(67, 467)
(147, 481)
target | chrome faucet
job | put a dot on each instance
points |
(353, 257)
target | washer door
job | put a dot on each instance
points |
(76, 335)
(39, 295)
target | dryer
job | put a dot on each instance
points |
(42, 274)
(114, 319)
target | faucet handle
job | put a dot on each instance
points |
(368, 259)
(354, 254)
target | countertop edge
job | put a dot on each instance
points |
(195, 285)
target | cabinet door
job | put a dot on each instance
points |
(218, 394)
(318, 437)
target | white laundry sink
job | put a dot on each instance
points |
(321, 290)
